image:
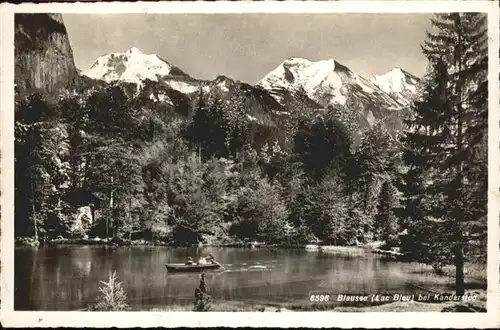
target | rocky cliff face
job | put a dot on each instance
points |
(43, 55)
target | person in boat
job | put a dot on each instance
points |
(202, 261)
(211, 258)
(190, 261)
(206, 260)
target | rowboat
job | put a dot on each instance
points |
(177, 268)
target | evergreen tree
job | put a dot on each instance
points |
(194, 213)
(386, 225)
(443, 139)
(323, 147)
(300, 112)
(261, 213)
(236, 115)
(207, 131)
(323, 210)
(376, 161)
(129, 192)
(360, 224)
(378, 153)
(411, 213)
(347, 116)
(157, 210)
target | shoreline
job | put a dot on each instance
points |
(367, 248)
(30, 242)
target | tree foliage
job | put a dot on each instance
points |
(444, 139)
(112, 296)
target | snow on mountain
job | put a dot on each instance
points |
(132, 66)
(398, 83)
(326, 82)
(160, 98)
(182, 86)
(313, 77)
(329, 84)
(223, 83)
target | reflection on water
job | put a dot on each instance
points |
(67, 278)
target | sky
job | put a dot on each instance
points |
(246, 47)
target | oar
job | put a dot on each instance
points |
(213, 260)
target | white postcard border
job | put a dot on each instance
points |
(12, 318)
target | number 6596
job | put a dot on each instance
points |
(319, 298)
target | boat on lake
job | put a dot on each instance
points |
(177, 268)
(204, 263)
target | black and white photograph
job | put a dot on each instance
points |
(251, 162)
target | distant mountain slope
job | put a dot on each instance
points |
(398, 83)
(131, 66)
(328, 83)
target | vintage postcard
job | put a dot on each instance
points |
(250, 164)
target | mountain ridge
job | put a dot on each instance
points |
(332, 79)
(325, 81)
(327, 84)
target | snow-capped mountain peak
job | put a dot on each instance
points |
(322, 76)
(398, 83)
(327, 82)
(134, 50)
(304, 62)
(131, 66)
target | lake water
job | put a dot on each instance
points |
(68, 277)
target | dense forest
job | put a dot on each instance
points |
(147, 173)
